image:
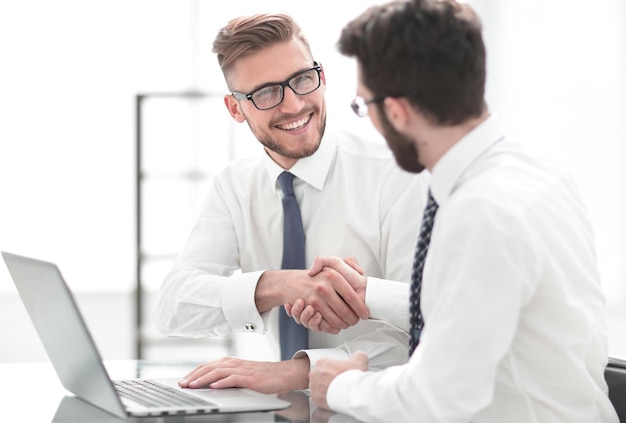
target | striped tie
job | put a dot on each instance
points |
(417, 321)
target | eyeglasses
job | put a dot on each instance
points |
(271, 95)
(359, 105)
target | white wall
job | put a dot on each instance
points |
(70, 70)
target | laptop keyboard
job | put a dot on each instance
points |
(152, 394)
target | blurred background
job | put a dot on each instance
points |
(112, 125)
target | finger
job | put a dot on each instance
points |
(216, 380)
(288, 309)
(212, 372)
(208, 367)
(296, 310)
(352, 262)
(333, 308)
(343, 301)
(203, 380)
(352, 299)
(230, 381)
(314, 322)
(355, 282)
(327, 328)
(316, 266)
(306, 315)
(198, 371)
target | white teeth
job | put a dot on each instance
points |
(295, 125)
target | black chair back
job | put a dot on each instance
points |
(615, 375)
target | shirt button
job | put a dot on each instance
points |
(250, 327)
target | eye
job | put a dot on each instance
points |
(267, 93)
(304, 79)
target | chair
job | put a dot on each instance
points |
(615, 375)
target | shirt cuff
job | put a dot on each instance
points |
(238, 303)
(316, 354)
(389, 301)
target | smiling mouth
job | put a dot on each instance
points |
(296, 124)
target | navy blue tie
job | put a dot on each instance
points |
(423, 241)
(293, 337)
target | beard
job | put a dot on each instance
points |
(402, 146)
(307, 148)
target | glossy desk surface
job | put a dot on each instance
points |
(31, 392)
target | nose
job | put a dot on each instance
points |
(292, 102)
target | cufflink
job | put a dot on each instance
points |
(250, 327)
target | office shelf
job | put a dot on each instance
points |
(182, 138)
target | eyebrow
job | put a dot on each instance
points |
(267, 84)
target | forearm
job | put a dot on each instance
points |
(203, 294)
(198, 303)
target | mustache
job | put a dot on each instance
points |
(290, 117)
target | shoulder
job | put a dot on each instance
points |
(514, 185)
(240, 170)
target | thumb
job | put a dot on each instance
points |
(316, 266)
(352, 262)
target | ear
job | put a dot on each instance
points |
(234, 108)
(322, 74)
(398, 111)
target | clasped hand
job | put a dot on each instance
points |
(349, 284)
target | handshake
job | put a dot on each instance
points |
(330, 298)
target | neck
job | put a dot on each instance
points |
(435, 141)
(282, 161)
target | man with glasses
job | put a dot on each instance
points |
(353, 200)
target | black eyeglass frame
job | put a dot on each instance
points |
(243, 96)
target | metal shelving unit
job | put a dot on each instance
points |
(178, 143)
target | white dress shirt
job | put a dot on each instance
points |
(514, 313)
(354, 201)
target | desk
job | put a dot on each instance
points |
(31, 392)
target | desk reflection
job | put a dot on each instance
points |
(24, 382)
(73, 410)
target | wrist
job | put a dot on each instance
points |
(299, 368)
(272, 288)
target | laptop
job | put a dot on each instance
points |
(78, 363)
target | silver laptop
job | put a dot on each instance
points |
(78, 362)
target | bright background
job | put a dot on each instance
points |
(70, 71)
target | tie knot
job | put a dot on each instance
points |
(285, 180)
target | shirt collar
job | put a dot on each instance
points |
(457, 159)
(313, 169)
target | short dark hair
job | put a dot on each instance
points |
(247, 35)
(430, 51)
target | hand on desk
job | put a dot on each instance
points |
(309, 314)
(326, 370)
(265, 377)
